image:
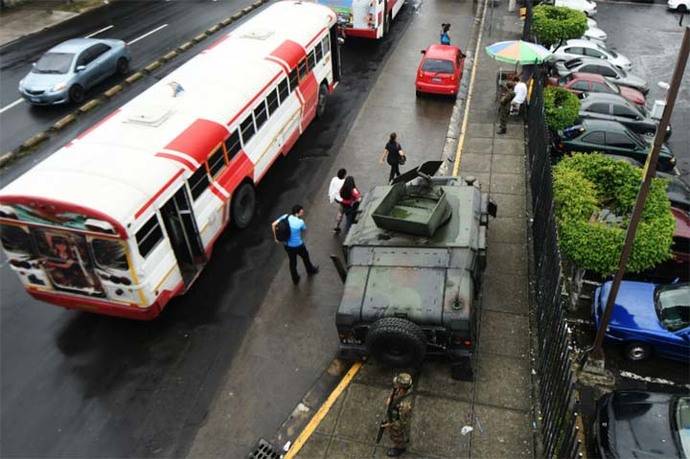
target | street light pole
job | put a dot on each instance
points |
(597, 352)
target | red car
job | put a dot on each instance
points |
(678, 267)
(440, 70)
(580, 83)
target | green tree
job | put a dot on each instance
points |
(561, 108)
(554, 24)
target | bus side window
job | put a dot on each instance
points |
(272, 101)
(260, 114)
(110, 254)
(283, 90)
(247, 128)
(293, 80)
(302, 69)
(216, 161)
(326, 45)
(149, 235)
(198, 182)
(232, 144)
(311, 60)
(318, 52)
(16, 239)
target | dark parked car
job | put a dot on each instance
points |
(648, 319)
(604, 68)
(613, 107)
(638, 424)
(611, 137)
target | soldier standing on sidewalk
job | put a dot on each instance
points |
(506, 98)
(398, 414)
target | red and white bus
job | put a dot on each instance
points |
(124, 217)
(364, 18)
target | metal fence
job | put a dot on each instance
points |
(553, 353)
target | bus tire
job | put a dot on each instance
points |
(321, 101)
(243, 206)
(76, 94)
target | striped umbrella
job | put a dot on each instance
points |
(517, 52)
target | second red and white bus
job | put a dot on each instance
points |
(124, 217)
(364, 18)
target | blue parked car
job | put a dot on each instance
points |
(68, 70)
(648, 318)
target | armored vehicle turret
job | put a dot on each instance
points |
(414, 261)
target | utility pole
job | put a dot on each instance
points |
(597, 352)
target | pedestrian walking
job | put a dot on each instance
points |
(394, 156)
(291, 237)
(398, 415)
(505, 100)
(334, 196)
(445, 38)
(350, 198)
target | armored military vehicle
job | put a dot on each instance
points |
(414, 261)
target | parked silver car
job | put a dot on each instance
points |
(68, 70)
(604, 68)
(578, 48)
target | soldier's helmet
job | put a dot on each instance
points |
(403, 380)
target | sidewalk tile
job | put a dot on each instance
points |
(473, 163)
(512, 183)
(505, 292)
(481, 129)
(327, 425)
(477, 145)
(365, 407)
(506, 434)
(504, 334)
(509, 205)
(507, 164)
(503, 382)
(507, 229)
(315, 448)
(513, 145)
(508, 258)
(435, 379)
(372, 374)
(481, 115)
(436, 424)
(380, 453)
(346, 449)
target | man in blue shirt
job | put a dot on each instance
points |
(295, 245)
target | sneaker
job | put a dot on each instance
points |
(315, 270)
(395, 452)
(501, 131)
(296, 280)
(336, 229)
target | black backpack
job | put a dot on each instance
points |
(283, 230)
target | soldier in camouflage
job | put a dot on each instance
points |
(398, 414)
(507, 94)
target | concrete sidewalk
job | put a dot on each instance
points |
(498, 404)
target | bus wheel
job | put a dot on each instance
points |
(321, 103)
(243, 206)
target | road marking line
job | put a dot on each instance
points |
(323, 411)
(147, 34)
(475, 64)
(99, 31)
(7, 107)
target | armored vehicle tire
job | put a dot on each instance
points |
(396, 342)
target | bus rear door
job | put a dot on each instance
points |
(335, 53)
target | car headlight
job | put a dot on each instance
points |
(21, 84)
(59, 87)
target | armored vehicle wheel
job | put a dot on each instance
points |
(396, 342)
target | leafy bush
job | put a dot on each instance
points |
(561, 107)
(594, 197)
(551, 24)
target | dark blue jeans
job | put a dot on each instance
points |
(292, 256)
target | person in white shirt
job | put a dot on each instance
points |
(334, 196)
(520, 90)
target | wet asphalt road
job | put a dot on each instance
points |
(180, 20)
(649, 35)
(83, 385)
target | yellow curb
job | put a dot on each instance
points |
(33, 141)
(152, 66)
(237, 15)
(64, 121)
(185, 46)
(134, 77)
(200, 37)
(114, 90)
(6, 158)
(89, 105)
(314, 422)
(170, 56)
(213, 29)
(226, 21)
(258, 3)
(247, 9)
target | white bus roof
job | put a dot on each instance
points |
(112, 166)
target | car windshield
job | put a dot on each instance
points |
(672, 304)
(53, 63)
(683, 424)
(437, 66)
(607, 50)
(572, 132)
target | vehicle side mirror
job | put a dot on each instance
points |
(341, 41)
(79, 68)
(423, 51)
(463, 55)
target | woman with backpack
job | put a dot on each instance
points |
(349, 200)
(394, 156)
